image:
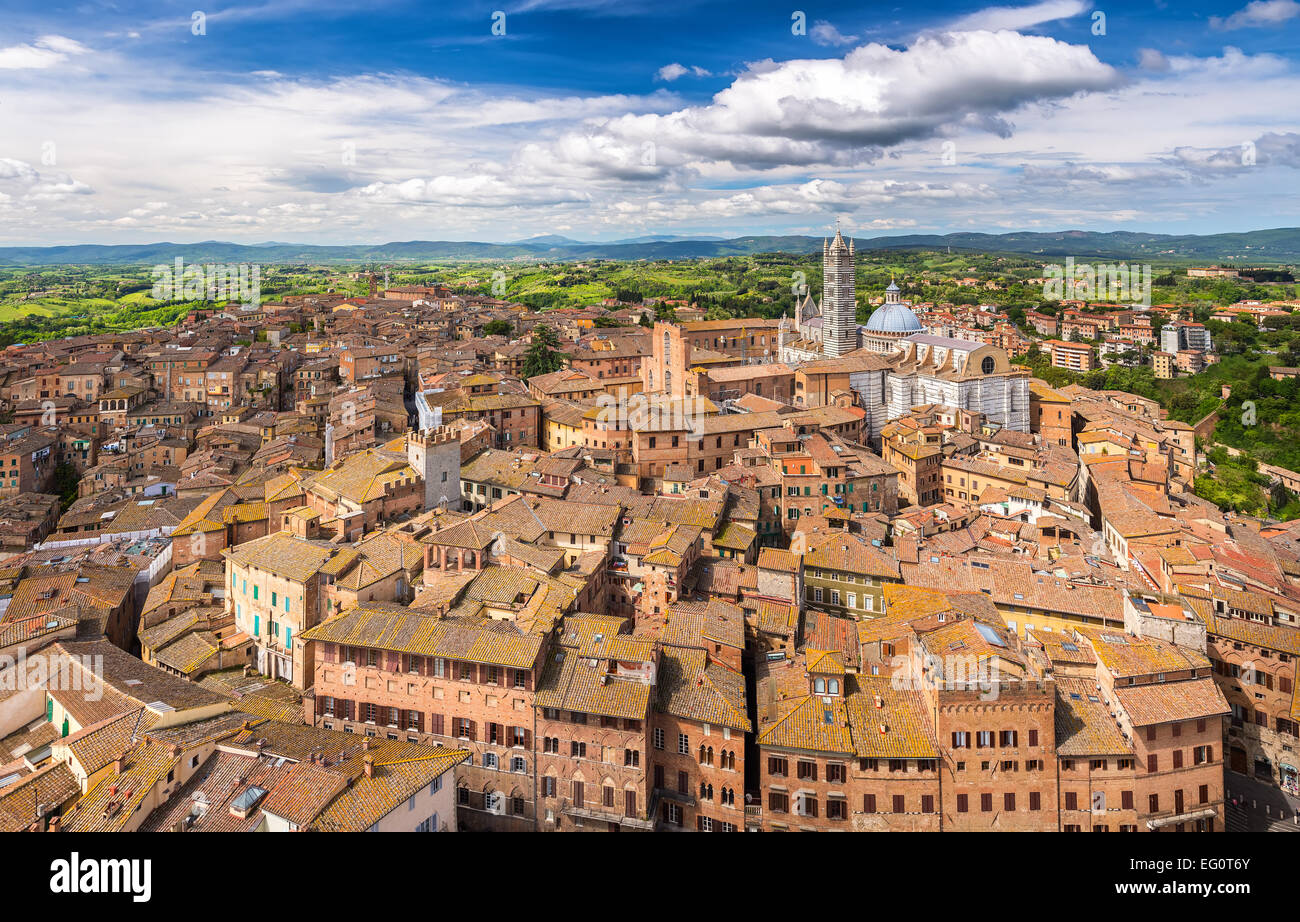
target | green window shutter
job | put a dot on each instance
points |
(286, 603)
(288, 639)
(49, 710)
(257, 625)
(254, 593)
(65, 726)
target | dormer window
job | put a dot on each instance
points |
(822, 686)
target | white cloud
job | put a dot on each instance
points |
(842, 111)
(1258, 13)
(46, 51)
(1021, 17)
(823, 33)
(1151, 59)
(670, 72)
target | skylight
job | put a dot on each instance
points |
(990, 635)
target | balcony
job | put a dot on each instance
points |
(605, 815)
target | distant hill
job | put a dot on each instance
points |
(1260, 247)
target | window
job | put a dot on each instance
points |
(837, 809)
(659, 738)
(868, 803)
(1009, 801)
(963, 803)
(777, 765)
(986, 803)
(806, 770)
(836, 773)
(1035, 800)
(778, 802)
(927, 803)
(1071, 800)
(683, 744)
(899, 804)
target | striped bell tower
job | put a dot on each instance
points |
(839, 299)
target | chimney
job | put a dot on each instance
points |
(365, 744)
(370, 767)
(54, 823)
(119, 763)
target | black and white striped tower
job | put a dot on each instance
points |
(839, 300)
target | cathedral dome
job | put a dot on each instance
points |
(894, 318)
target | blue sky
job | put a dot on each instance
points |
(338, 122)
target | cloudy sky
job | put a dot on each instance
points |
(331, 121)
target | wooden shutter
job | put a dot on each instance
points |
(577, 794)
(629, 803)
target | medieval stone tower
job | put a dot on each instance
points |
(435, 455)
(839, 297)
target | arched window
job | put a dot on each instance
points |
(834, 686)
(987, 365)
(710, 755)
(819, 686)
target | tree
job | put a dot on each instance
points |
(66, 481)
(543, 356)
(498, 327)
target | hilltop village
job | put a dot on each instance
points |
(356, 563)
